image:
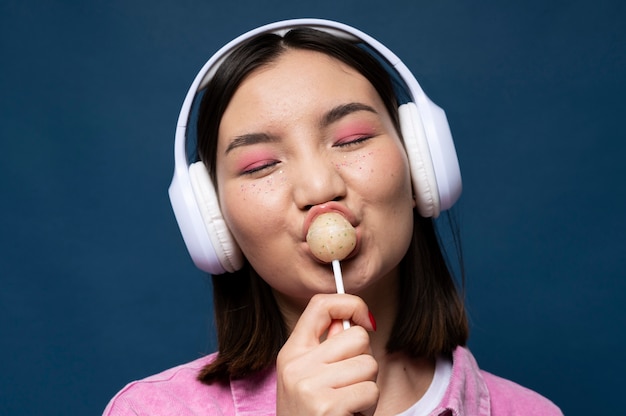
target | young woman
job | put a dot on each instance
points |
(298, 119)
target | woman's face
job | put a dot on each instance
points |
(305, 135)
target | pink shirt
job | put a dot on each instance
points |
(471, 392)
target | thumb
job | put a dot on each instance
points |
(336, 327)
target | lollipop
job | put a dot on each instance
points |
(331, 238)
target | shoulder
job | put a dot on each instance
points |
(509, 398)
(474, 391)
(174, 391)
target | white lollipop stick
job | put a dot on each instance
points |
(339, 284)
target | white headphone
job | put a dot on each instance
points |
(432, 157)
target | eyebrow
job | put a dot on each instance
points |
(335, 114)
(250, 139)
(343, 110)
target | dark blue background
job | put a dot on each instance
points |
(97, 288)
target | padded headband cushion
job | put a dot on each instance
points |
(227, 251)
(420, 161)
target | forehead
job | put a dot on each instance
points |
(299, 78)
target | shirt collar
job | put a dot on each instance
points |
(467, 393)
(255, 395)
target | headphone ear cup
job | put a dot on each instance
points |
(420, 160)
(226, 249)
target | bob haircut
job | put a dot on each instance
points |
(250, 327)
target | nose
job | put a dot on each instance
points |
(319, 180)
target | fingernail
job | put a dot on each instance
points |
(372, 320)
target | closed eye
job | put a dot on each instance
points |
(352, 141)
(259, 167)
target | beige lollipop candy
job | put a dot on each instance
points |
(331, 237)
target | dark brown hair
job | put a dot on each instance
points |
(250, 327)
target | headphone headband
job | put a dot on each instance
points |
(426, 133)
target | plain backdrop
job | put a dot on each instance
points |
(96, 288)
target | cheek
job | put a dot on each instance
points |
(359, 164)
(252, 209)
(262, 191)
(383, 173)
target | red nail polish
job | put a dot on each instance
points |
(372, 320)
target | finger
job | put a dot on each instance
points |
(348, 372)
(336, 327)
(322, 310)
(343, 345)
(359, 398)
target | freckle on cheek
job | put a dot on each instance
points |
(265, 187)
(354, 162)
(243, 190)
(269, 185)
